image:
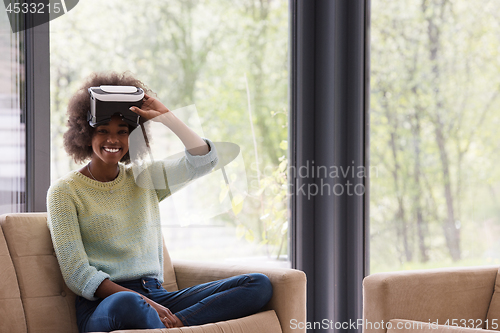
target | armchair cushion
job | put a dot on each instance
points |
(289, 286)
(263, 322)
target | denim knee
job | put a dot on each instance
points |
(263, 287)
(128, 305)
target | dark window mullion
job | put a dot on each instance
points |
(37, 58)
(328, 123)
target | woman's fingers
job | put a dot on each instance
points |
(151, 108)
(140, 112)
(148, 114)
(153, 103)
(166, 316)
(164, 313)
(136, 110)
(169, 320)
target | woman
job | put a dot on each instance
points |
(106, 230)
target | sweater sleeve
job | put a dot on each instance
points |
(82, 278)
(179, 172)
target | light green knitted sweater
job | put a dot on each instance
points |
(112, 230)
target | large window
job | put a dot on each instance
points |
(434, 134)
(222, 66)
(12, 118)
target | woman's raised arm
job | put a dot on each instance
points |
(153, 108)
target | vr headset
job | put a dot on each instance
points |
(106, 101)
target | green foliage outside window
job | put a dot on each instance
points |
(434, 111)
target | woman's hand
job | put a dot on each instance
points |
(107, 288)
(166, 316)
(151, 108)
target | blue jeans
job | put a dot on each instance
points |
(210, 302)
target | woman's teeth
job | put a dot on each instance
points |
(112, 150)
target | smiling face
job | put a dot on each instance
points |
(110, 142)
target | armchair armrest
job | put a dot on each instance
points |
(289, 286)
(427, 295)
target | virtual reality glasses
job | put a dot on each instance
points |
(106, 101)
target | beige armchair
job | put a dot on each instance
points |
(34, 297)
(448, 300)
